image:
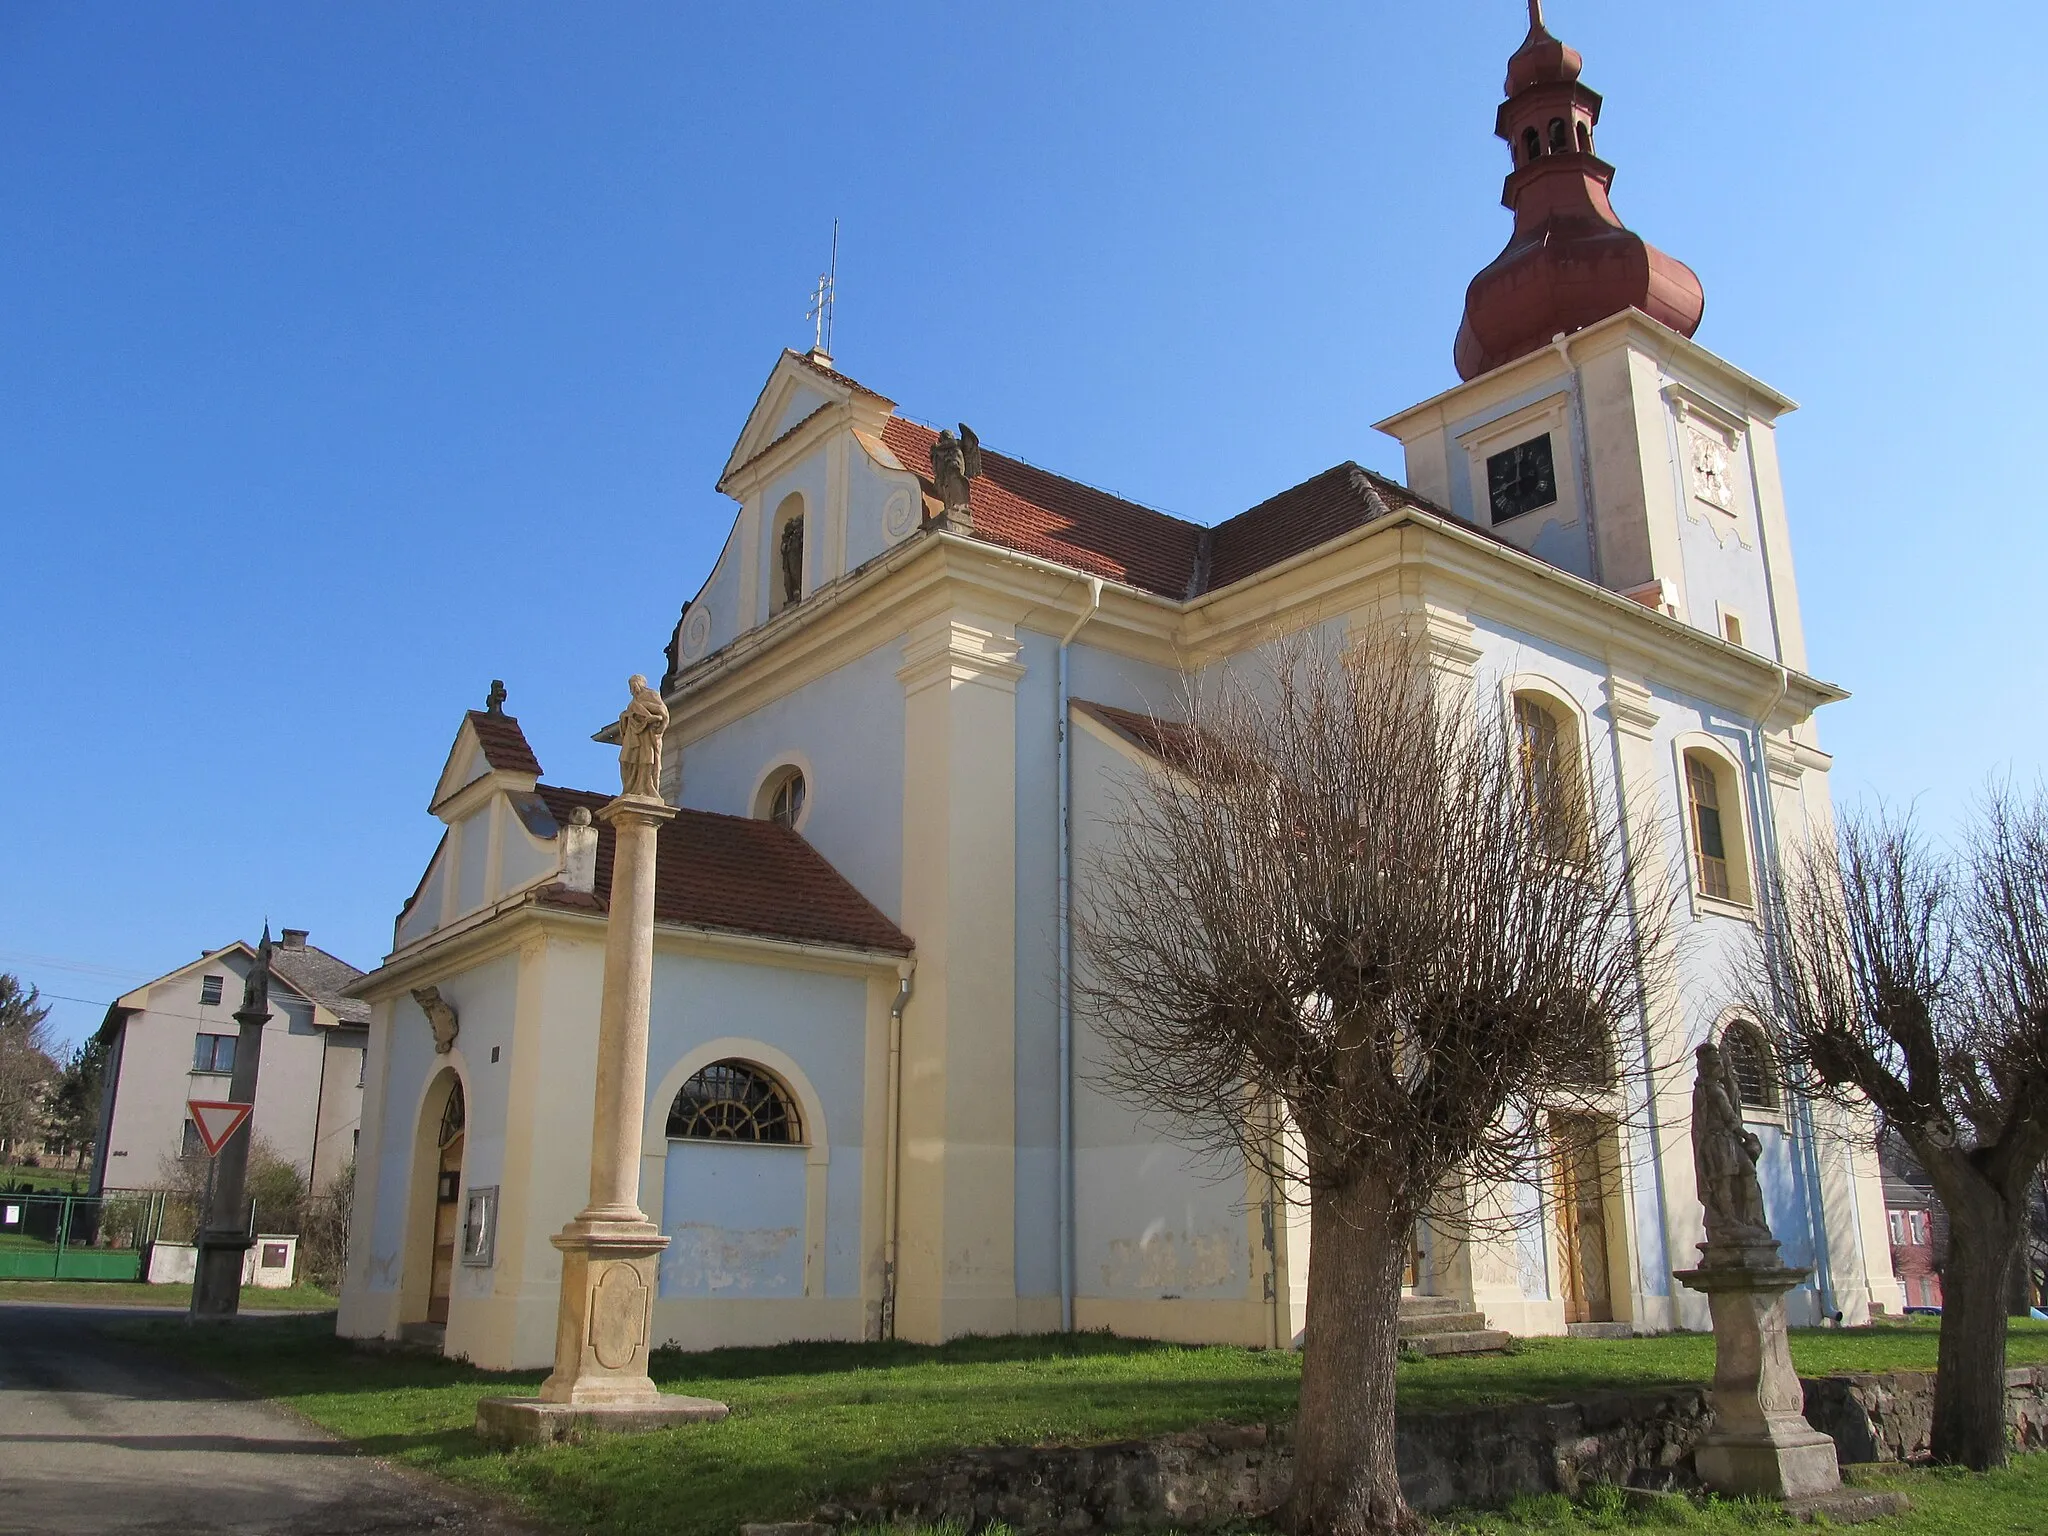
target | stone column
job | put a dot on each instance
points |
(609, 1250)
(225, 1244)
(600, 1377)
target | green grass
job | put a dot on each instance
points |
(810, 1420)
(2013, 1502)
(135, 1293)
(63, 1180)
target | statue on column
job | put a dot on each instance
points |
(1724, 1157)
(641, 724)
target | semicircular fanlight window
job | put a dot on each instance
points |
(732, 1101)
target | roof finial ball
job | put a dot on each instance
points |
(1570, 261)
(494, 703)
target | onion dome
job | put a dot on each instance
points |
(1570, 261)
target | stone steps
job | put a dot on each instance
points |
(1444, 1325)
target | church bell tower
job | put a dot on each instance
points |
(1590, 429)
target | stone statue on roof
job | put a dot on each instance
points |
(1724, 1157)
(641, 724)
(955, 461)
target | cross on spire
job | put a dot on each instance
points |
(820, 312)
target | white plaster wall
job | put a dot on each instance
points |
(848, 726)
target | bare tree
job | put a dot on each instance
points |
(26, 1065)
(1916, 981)
(1347, 903)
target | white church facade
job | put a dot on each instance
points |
(901, 707)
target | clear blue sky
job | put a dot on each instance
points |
(353, 355)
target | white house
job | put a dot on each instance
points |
(870, 1108)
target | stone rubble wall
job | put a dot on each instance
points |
(1473, 1457)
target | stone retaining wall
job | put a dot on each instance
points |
(1481, 1456)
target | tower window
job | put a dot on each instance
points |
(733, 1101)
(1709, 831)
(1585, 138)
(1532, 146)
(1559, 136)
(1521, 479)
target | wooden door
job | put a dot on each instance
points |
(447, 1204)
(1582, 1218)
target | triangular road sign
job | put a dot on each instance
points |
(217, 1120)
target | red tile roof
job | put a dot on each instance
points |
(837, 377)
(1171, 741)
(1039, 513)
(735, 874)
(504, 744)
(1036, 512)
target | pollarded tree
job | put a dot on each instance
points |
(1347, 894)
(1916, 981)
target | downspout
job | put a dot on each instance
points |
(1582, 451)
(1064, 772)
(1804, 1134)
(892, 1166)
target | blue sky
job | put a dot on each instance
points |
(353, 355)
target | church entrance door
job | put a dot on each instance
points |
(1582, 1179)
(447, 1204)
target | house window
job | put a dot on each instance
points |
(1718, 871)
(213, 1053)
(209, 991)
(1546, 741)
(1916, 1228)
(1750, 1059)
(191, 1145)
(734, 1101)
(1521, 479)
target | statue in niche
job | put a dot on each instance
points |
(1724, 1157)
(793, 560)
(440, 1017)
(955, 461)
(641, 723)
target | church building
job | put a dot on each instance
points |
(902, 705)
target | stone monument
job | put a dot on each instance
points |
(600, 1379)
(224, 1241)
(1761, 1445)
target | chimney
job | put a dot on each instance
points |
(294, 938)
(579, 852)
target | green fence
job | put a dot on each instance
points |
(78, 1237)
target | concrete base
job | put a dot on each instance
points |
(505, 1422)
(1846, 1506)
(1787, 1465)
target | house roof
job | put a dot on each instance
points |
(1036, 512)
(504, 744)
(322, 977)
(736, 874)
(1168, 740)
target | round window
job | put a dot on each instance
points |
(786, 806)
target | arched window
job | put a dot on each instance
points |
(1750, 1060)
(786, 567)
(1714, 808)
(1546, 740)
(454, 1116)
(1560, 136)
(782, 796)
(1532, 146)
(734, 1101)
(1585, 138)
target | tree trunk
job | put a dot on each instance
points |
(1969, 1392)
(1346, 1481)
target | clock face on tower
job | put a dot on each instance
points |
(1521, 479)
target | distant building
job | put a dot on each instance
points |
(174, 1039)
(1910, 1211)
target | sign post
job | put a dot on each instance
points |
(224, 1128)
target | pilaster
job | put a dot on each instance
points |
(956, 1212)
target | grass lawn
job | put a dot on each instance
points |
(67, 1181)
(135, 1293)
(811, 1419)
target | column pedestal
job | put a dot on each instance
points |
(600, 1380)
(1761, 1445)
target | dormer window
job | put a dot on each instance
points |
(1521, 479)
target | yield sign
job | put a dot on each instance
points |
(217, 1120)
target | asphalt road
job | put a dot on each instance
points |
(97, 1435)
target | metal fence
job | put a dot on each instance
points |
(50, 1236)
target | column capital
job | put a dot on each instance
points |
(646, 809)
(961, 648)
(1631, 706)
